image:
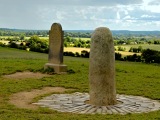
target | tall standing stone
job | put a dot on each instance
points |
(55, 59)
(102, 68)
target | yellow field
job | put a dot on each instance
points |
(124, 53)
(75, 49)
(39, 37)
(4, 42)
(144, 46)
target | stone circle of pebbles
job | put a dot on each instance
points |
(76, 103)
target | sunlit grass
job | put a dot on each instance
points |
(131, 78)
(144, 46)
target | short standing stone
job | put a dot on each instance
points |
(102, 68)
(55, 58)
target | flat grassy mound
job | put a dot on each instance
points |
(131, 79)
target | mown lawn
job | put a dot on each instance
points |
(131, 78)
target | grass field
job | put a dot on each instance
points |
(77, 38)
(4, 42)
(39, 37)
(144, 46)
(131, 79)
(45, 37)
(76, 49)
(25, 37)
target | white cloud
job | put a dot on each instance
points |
(147, 16)
(118, 16)
(154, 2)
(80, 14)
(60, 15)
(127, 17)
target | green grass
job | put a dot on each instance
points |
(131, 78)
(5, 37)
(39, 37)
(85, 39)
(144, 46)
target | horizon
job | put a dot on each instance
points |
(79, 30)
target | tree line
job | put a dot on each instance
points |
(41, 45)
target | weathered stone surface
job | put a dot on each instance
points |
(58, 68)
(87, 109)
(56, 44)
(102, 68)
(93, 110)
(55, 58)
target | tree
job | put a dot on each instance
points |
(131, 49)
(67, 39)
(151, 56)
(140, 49)
(22, 37)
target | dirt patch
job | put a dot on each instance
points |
(26, 74)
(24, 99)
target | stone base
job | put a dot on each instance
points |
(76, 103)
(58, 68)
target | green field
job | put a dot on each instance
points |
(85, 39)
(144, 46)
(39, 37)
(131, 78)
(44, 37)
(5, 37)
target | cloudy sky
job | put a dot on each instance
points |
(80, 14)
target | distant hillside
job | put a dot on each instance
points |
(19, 30)
(114, 32)
(136, 33)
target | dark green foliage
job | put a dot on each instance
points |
(156, 41)
(2, 45)
(13, 45)
(37, 45)
(120, 42)
(22, 47)
(136, 50)
(48, 70)
(118, 56)
(70, 71)
(151, 56)
(84, 54)
(77, 54)
(133, 58)
(72, 42)
(121, 48)
(68, 54)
